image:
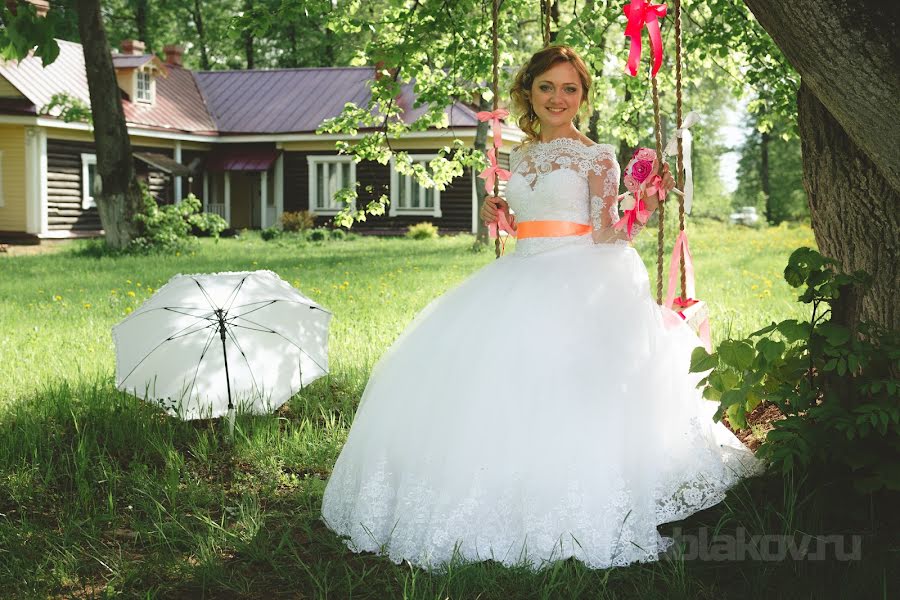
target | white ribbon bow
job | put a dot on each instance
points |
(672, 148)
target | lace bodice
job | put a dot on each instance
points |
(565, 180)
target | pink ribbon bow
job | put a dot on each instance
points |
(494, 117)
(653, 185)
(639, 213)
(673, 300)
(493, 171)
(640, 13)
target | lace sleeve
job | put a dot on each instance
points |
(603, 183)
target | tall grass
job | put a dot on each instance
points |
(102, 495)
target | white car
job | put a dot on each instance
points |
(746, 216)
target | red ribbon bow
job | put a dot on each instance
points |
(494, 117)
(639, 213)
(493, 171)
(653, 185)
(640, 13)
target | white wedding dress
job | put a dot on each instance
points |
(540, 410)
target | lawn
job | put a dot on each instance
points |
(101, 495)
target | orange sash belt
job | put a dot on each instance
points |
(530, 229)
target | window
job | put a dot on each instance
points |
(410, 198)
(88, 174)
(328, 175)
(144, 93)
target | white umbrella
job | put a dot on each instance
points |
(204, 345)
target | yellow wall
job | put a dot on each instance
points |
(410, 144)
(7, 90)
(12, 144)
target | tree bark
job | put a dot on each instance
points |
(119, 195)
(481, 136)
(764, 175)
(197, 15)
(846, 55)
(141, 19)
(248, 37)
(853, 210)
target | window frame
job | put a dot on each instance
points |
(313, 162)
(398, 179)
(149, 87)
(87, 192)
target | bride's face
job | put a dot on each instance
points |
(556, 95)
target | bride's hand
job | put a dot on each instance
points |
(490, 208)
(666, 182)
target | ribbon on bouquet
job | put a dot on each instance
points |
(641, 13)
(684, 132)
(635, 213)
(674, 301)
(494, 117)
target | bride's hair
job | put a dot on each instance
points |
(540, 62)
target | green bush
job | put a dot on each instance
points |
(168, 228)
(300, 220)
(422, 231)
(338, 234)
(320, 234)
(837, 388)
(270, 233)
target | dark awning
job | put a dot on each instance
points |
(163, 163)
(242, 159)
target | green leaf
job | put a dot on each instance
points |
(771, 349)
(835, 333)
(701, 360)
(736, 353)
(792, 330)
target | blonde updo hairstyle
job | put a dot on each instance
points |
(540, 62)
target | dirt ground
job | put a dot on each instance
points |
(45, 247)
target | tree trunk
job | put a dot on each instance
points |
(119, 195)
(764, 175)
(248, 37)
(197, 15)
(481, 136)
(141, 18)
(846, 55)
(853, 210)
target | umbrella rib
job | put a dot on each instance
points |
(140, 312)
(234, 340)
(267, 303)
(212, 334)
(187, 333)
(208, 317)
(146, 356)
(283, 300)
(209, 300)
(233, 296)
(270, 330)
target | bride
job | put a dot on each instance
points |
(542, 409)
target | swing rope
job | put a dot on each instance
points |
(495, 15)
(679, 122)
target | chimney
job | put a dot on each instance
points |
(41, 6)
(135, 47)
(173, 54)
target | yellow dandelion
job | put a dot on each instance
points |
(87, 304)
(130, 294)
(178, 254)
(57, 298)
(138, 284)
(128, 281)
(346, 283)
(754, 287)
(128, 310)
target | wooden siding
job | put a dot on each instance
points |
(8, 90)
(64, 185)
(456, 198)
(13, 213)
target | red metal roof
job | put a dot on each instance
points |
(222, 102)
(131, 61)
(178, 105)
(297, 100)
(243, 158)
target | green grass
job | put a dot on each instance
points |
(101, 495)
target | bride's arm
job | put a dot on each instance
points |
(603, 185)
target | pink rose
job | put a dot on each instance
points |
(645, 154)
(641, 169)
